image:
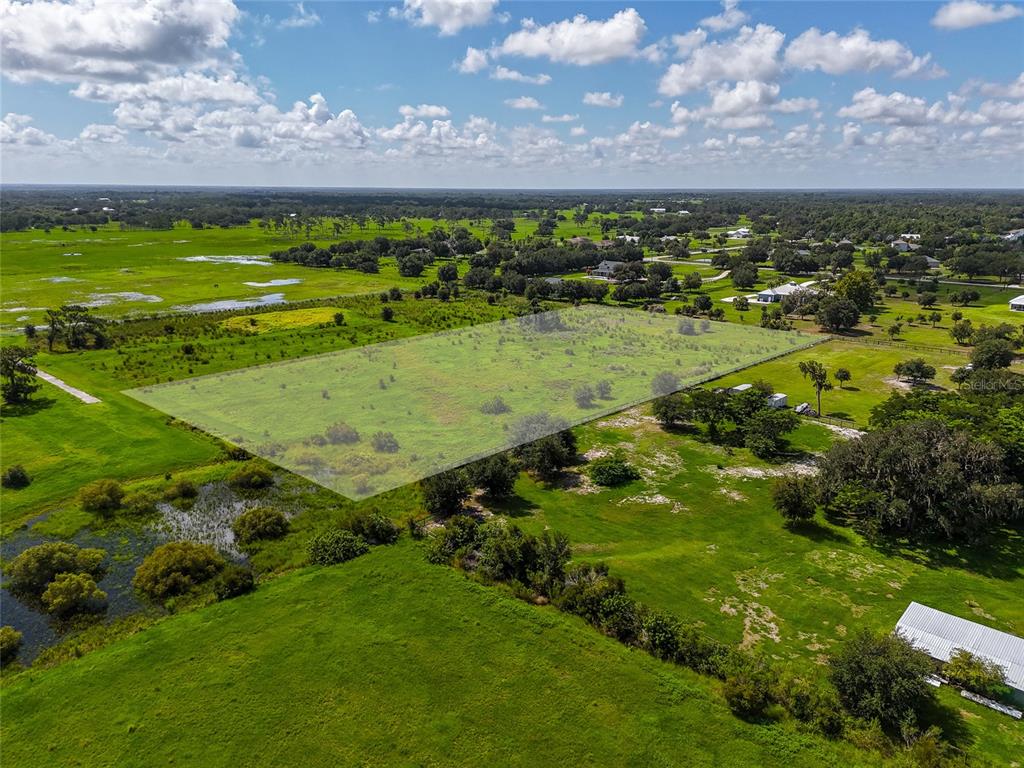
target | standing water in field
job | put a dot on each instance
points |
(224, 304)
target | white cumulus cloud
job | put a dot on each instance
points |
(752, 55)
(134, 40)
(449, 16)
(730, 17)
(504, 73)
(423, 110)
(838, 54)
(964, 14)
(524, 102)
(579, 40)
(300, 18)
(603, 99)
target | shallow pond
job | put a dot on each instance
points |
(223, 304)
(206, 519)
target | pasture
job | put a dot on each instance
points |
(380, 660)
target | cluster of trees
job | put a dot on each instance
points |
(871, 678)
(920, 478)
(73, 325)
(60, 577)
(741, 418)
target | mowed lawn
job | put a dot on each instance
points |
(871, 369)
(384, 661)
(698, 536)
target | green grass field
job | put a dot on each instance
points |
(390, 661)
(698, 536)
(65, 444)
(383, 661)
(417, 390)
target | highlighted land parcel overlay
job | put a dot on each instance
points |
(366, 420)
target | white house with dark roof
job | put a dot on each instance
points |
(606, 269)
(779, 292)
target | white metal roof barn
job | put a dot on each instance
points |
(938, 634)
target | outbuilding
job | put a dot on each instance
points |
(778, 400)
(939, 634)
(1017, 304)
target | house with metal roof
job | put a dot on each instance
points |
(1017, 304)
(939, 634)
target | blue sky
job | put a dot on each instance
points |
(481, 93)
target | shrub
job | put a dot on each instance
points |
(881, 677)
(180, 489)
(659, 635)
(71, 593)
(15, 476)
(384, 442)
(387, 314)
(176, 568)
(10, 644)
(612, 470)
(259, 523)
(701, 653)
(457, 535)
(375, 527)
(794, 498)
(140, 503)
(976, 674)
(251, 478)
(102, 496)
(748, 686)
(233, 581)
(494, 407)
(33, 570)
(334, 547)
(341, 434)
(584, 396)
(444, 493)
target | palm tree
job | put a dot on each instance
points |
(818, 375)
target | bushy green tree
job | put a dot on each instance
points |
(233, 581)
(18, 372)
(251, 477)
(765, 431)
(976, 674)
(10, 644)
(71, 593)
(15, 477)
(673, 409)
(881, 677)
(33, 570)
(496, 474)
(333, 547)
(373, 526)
(102, 496)
(794, 497)
(612, 470)
(748, 686)
(445, 492)
(176, 568)
(991, 354)
(258, 524)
